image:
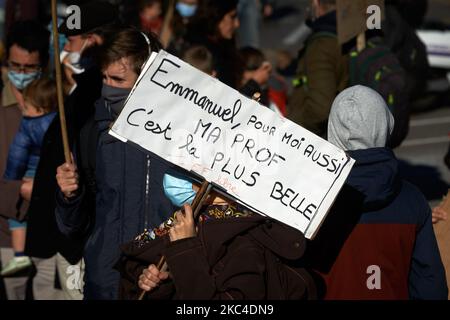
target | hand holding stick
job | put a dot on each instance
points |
(200, 197)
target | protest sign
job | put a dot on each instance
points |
(259, 158)
(352, 17)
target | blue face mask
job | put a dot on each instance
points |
(22, 80)
(186, 10)
(178, 191)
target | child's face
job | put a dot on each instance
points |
(260, 75)
(266, 70)
(31, 111)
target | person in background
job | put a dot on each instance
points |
(26, 57)
(214, 27)
(20, 10)
(251, 13)
(258, 77)
(23, 157)
(391, 253)
(322, 71)
(175, 40)
(150, 16)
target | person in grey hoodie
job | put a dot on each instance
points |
(391, 251)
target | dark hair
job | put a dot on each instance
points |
(200, 57)
(105, 31)
(41, 93)
(128, 43)
(31, 36)
(252, 58)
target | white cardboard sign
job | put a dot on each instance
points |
(265, 161)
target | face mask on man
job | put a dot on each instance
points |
(74, 59)
(186, 10)
(22, 80)
(115, 98)
(75, 69)
(178, 191)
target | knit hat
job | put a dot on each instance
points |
(359, 119)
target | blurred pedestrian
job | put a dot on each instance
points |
(27, 57)
(215, 27)
(23, 157)
(322, 72)
(200, 58)
(251, 13)
(150, 16)
(184, 12)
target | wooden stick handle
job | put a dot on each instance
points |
(59, 86)
(166, 28)
(361, 41)
(196, 206)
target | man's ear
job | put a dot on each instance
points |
(214, 74)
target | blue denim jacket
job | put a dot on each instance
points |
(24, 152)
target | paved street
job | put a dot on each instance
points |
(424, 150)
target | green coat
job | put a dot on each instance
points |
(321, 74)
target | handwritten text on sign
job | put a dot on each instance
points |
(267, 162)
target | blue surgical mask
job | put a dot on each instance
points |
(186, 10)
(179, 191)
(22, 80)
